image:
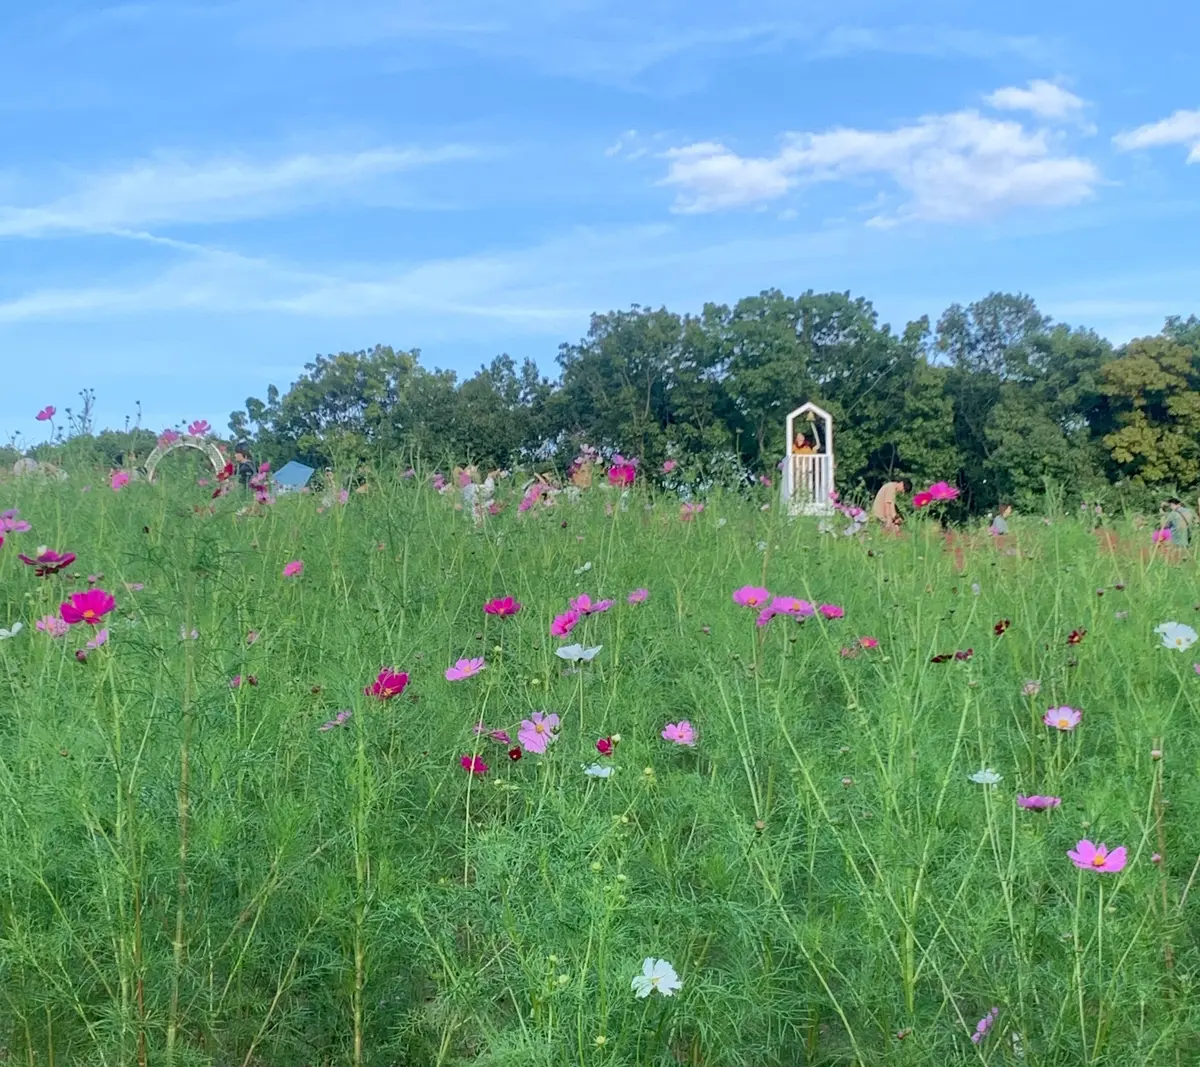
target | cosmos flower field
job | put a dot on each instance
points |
(359, 782)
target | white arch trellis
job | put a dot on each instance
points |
(807, 483)
(185, 441)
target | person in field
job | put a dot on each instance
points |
(1179, 522)
(244, 464)
(884, 507)
(999, 525)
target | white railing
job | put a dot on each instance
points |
(807, 483)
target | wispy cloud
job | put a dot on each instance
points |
(170, 190)
(953, 167)
(1044, 99)
(1180, 128)
(935, 41)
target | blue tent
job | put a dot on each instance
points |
(292, 476)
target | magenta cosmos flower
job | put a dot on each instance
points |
(293, 569)
(922, 499)
(464, 668)
(623, 473)
(585, 605)
(503, 606)
(199, 428)
(832, 611)
(47, 561)
(566, 622)
(46, 414)
(538, 731)
(1065, 719)
(1037, 803)
(388, 684)
(89, 607)
(474, 765)
(751, 596)
(942, 491)
(11, 522)
(168, 437)
(1089, 857)
(637, 596)
(118, 479)
(680, 733)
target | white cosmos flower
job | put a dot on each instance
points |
(1176, 635)
(656, 974)
(598, 770)
(987, 776)
(585, 568)
(17, 627)
(577, 653)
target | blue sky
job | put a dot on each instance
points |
(198, 196)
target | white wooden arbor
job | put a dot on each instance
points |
(184, 441)
(808, 477)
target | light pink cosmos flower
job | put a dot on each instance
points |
(1037, 803)
(1089, 857)
(52, 625)
(984, 1025)
(751, 596)
(680, 733)
(168, 437)
(464, 668)
(1064, 718)
(668, 466)
(1031, 688)
(639, 595)
(832, 611)
(538, 731)
(790, 605)
(11, 522)
(586, 606)
(118, 479)
(340, 719)
(566, 622)
(101, 638)
(474, 765)
(293, 569)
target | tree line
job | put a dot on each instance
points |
(995, 397)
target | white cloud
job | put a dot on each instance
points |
(953, 167)
(166, 190)
(1182, 127)
(1041, 98)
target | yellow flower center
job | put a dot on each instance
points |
(1063, 724)
(1099, 859)
(88, 613)
(538, 727)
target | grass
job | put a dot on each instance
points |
(196, 874)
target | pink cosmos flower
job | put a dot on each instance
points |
(388, 684)
(439, 481)
(52, 625)
(637, 596)
(764, 480)
(47, 561)
(1038, 803)
(984, 1025)
(503, 606)
(135, 587)
(199, 428)
(764, 617)
(586, 606)
(790, 605)
(474, 765)
(118, 479)
(1089, 857)
(1064, 718)
(537, 731)
(922, 498)
(499, 736)
(340, 719)
(668, 466)
(101, 638)
(1160, 537)
(689, 511)
(566, 622)
(293, 569)
(464, 668)
(46, 414)
(868, 642)
(751, 596)
(680, 733)
(605, 746)
(89, 607)
(832, 611)
(10, 522)
(167, 438)
(942, 491)
(622, 473)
